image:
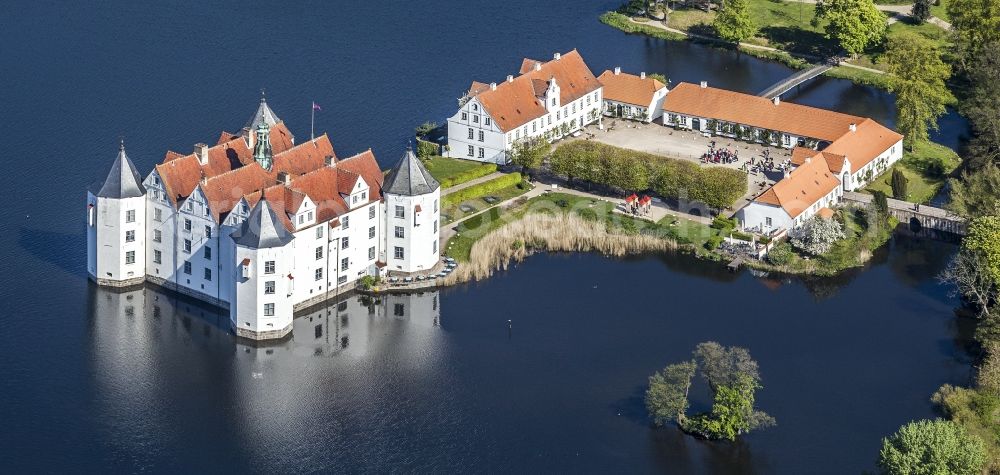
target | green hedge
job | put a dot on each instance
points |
(631, 170)
(426, 149)
(617, 20)
(482, 189)
(469, 175)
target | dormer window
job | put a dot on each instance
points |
(475, 107)
(553, 102)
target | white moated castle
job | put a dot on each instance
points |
(260, 224)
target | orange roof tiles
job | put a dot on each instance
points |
(825, 213)
(802, 188)
(516, 102)
(862, 146)
(527, 64)
(305, 157)
(732, 106)
(629, 88)
(364, 164)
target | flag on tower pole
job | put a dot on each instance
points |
(312, 123)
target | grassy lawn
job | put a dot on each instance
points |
(446, 169)
(940, 11)
(918, 166)
(454, 212)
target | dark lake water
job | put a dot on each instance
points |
(90, 384)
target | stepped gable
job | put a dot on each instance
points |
(181, 174)
(629, 88)
(515, 103)
(409, 177)
(123, 180)
(262, 229)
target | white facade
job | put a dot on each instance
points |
(412, 231)
(474, 135)
(116, 240)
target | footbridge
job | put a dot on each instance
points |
(796, 79)
(919, 217)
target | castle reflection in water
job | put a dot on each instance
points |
(335, 327)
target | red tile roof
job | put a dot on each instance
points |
(803, 187)
(516, 103)
(629, 88)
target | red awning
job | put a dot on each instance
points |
(631, 198)
(290, 276)
(417, 208)
(380, 264)
(246, 261)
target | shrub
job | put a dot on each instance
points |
(469, 175)
(742, 236)
(427, 149)
(368, 281)
(713, 242)
(721, 222)
(936, 446)
(781, 254)
(817, 235)
(481, 189)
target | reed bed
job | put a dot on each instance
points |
(549, 232)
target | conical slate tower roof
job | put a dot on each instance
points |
(264, 114)
(123, 180)
(262, 229)
(409, 177)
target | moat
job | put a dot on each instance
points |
(445, 386)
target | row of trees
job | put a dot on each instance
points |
(629, 170)
(732, 376)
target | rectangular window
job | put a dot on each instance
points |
(371, 253)
(371, 212)
(302, 219)
(157, 256)
(187, 246)
(130, 216)
(475, 118)
(487, 121)
(157, 214)
(319, 253)
(309, 217)
(319, 274)
(434, 249)
(398, 252)
(345, 242)
(130, 257)
(471, 133)
(400, 232)
(435, 206)
(472, 150)
(481, 135)
(319, 232)
(208, 253)
(187, 268)
(187, 225)
(465, 116)
(208, 232)
(346, 223)
(371, 232)
(767, 222)
(269, 287)
(208, 274)
(269, 310)
(344, 263)
(268, 267)
(482, 153)
(129, 236)
(400, 212)
(435, 226)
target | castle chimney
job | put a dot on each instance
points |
(510, 78)
(776, 100)
(704, 84)
(557, 56)
(201, 150)
(330, 160)
(284, 178)
(538, 66)
(493, 86)
(618, 70)
(642, 75)
(854, 127)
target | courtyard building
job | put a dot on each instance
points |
(546, 100)
(632, 97)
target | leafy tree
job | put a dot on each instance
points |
(425, 128)
(427, 149)
(977, 193)
(816, 236)
(855, 24)
(530, 153)
(722, 366)
(732, 412)
(898, 182)
(921, 10)
(780, 254)
(667, 396)
(983, 237)
(917, 76)
(932, 447)
(733, 23)
(969, 273)
(975, 23)
(660, 77)
(880, 203)
(981, 105)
